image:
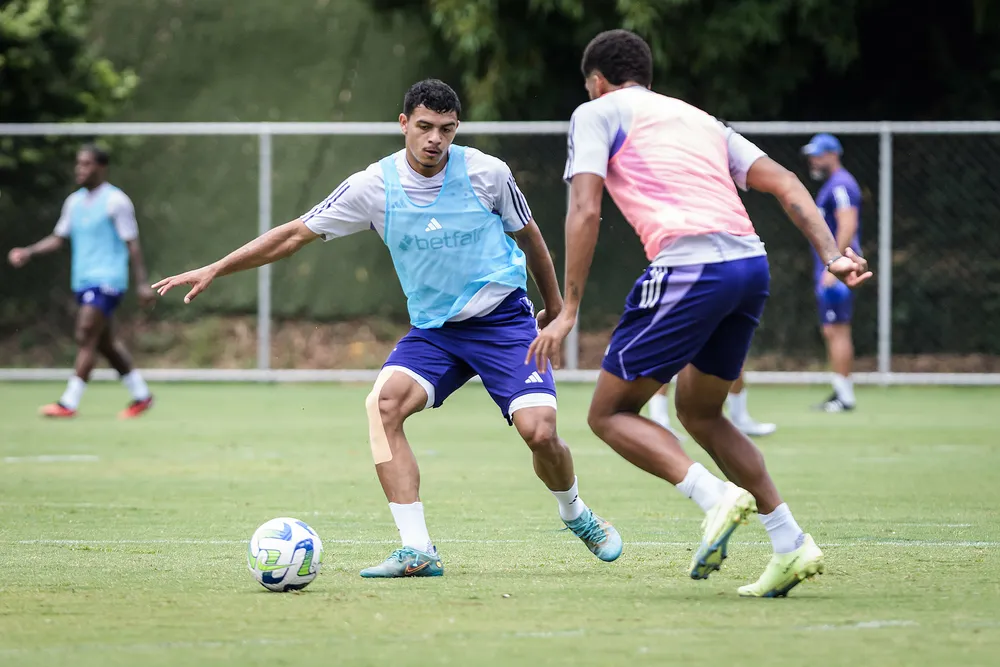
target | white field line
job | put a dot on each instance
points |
(53, 458)
(640, 543)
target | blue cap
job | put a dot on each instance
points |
(822, 143)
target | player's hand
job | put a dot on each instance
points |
(852, 269)
(547, 346)
(146, 294)
(828, 280)
(546, 316)
(18, 257)
(199, 279)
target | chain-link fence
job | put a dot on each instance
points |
(928, 227)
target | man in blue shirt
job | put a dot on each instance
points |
(99, 222)
(444, 212)
(839, 199)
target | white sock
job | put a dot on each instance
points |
(737, 404)
(135, 384)
(702, 487)
(658, 410)
(781, 527)
(844, 388)
(74, 392)
(412, 527)
(570, 504)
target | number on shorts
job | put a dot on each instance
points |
(651, 288)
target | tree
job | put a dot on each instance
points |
(48, 73)
(741, 59)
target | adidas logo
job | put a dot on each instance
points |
(432, 226)
(534, 378)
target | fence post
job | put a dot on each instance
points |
(572, 351)
(264, 272)
(885, 254)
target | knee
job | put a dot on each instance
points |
(596, 419)
(693, 415)
(85, 334)
(390, 406)
(540, 436)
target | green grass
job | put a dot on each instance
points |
(138, 557)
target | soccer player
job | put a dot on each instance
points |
(839, 200)
(736, 402)
(444, 212)
(671, 170)
(99, 222)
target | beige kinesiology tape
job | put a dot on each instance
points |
(381, 452)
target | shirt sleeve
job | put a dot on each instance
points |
(742, 154)
(348, 209)
(508, 202)
(122, 213)
(62, 228)
(589, 145)
(847, 195)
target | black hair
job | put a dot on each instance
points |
(621, 56)
(434, 94)
(101, 156)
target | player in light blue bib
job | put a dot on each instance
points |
(99, 222)
(462, 241)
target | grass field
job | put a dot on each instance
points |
(133, 552)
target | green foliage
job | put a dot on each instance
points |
(746, 59)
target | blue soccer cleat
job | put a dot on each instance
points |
(406, 562)
(600, 536)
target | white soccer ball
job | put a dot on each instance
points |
(284, 555)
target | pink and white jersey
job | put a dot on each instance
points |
(672, 169)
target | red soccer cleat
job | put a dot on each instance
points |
(136, 408)
(56, 410)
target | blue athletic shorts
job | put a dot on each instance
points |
(835, 307)
(493, 347)
(704, 314)
(104, 299)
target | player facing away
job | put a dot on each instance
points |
(99, 222)
(839, 200)
(736, 403)
(444, 212)
(671, 169)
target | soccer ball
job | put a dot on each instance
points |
(284, 555)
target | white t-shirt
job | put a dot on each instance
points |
(597, 131)
(358, 204)
(120, 209)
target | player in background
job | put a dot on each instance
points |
(839, 200)
(736, 404)
(671, 170)
(99, 222)
(445, 212)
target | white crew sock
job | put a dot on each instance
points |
(702, 487)
(412, 527)
(570, 504)
(135, 384)
(737, 404)
(844, 388)
(781, 527)
(658, 410)
(74, 392)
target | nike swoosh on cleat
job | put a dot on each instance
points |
(410, 570)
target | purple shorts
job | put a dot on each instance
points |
(704, 314)
(102, 298)
(493, 347)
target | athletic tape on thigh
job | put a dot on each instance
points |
(381, 452)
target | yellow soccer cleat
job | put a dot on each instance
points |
(786, 571)
(733, 509)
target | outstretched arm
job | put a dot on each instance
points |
(543, 272)
(18, 257)
(269, 247)
(582, 225)
(768, 176)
